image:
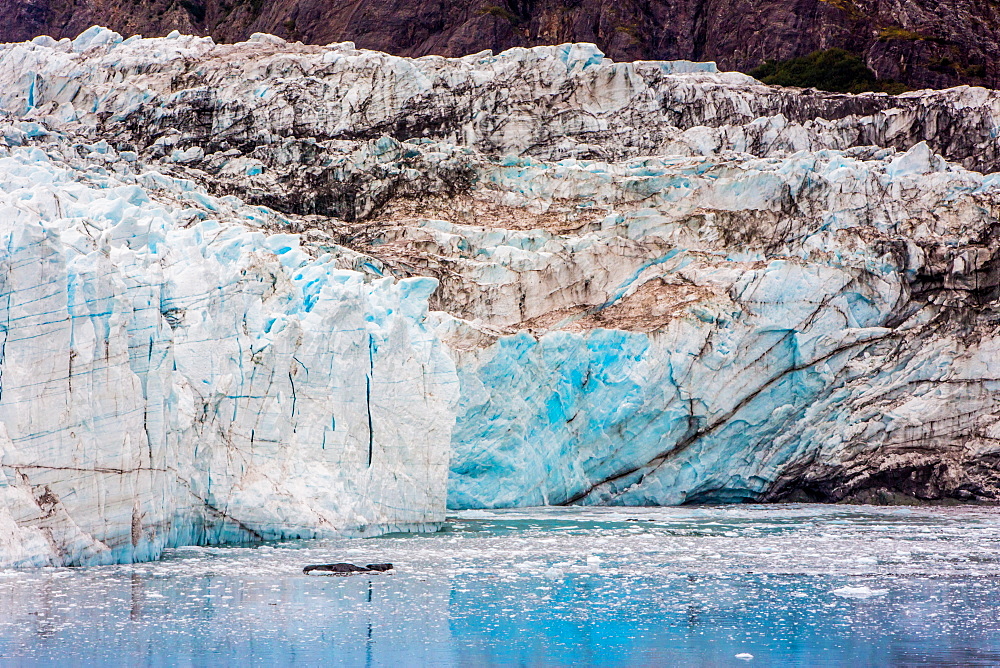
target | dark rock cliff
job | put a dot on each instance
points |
(923, 43)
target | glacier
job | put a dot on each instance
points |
(173, 377)
(269, 290)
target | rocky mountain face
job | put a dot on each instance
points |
(268, 290)
(922, 43)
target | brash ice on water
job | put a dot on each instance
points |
(721, 586)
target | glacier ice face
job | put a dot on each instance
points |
(775, 316)
(174, 375)
(266, 290)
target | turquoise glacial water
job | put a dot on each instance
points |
(693, 586)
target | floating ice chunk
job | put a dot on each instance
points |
(744, 656)
(527, 566)
(593, 562)
(859, 592)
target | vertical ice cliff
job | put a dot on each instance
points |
(819, 324)
(268, 290)
(173, 374)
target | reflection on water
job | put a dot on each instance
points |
(717, 586)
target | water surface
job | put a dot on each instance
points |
(704, 586)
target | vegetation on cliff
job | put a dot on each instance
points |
(833, 70)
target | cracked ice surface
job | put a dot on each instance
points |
(172, 375)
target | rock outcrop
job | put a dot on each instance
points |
(648, 283)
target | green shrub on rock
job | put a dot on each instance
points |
(835, 70)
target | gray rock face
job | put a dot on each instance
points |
(923, 43)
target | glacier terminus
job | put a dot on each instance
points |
(268, 291)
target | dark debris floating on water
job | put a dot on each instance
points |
(345, 569)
